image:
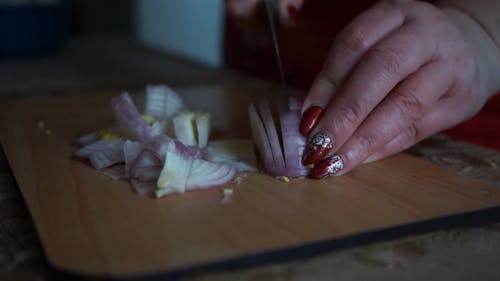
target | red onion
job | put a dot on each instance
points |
(281, 149)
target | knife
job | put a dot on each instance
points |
(272, 10)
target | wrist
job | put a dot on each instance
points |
(484, 48)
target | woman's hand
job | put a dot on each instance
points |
(398, 73)
(288, 9)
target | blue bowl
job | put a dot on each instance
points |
(32, 29)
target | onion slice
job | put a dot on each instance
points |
(175, 171)
(293, 141)
(130, 120)
(280, 150)
(238, 153)
(205, 174)
(162, 101)
(264, 107)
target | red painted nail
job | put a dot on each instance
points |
(317, 147)
(327, 167)
(293, 13)
(309, 119)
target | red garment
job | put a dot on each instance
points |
(482, 129)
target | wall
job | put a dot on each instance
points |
(190, 28)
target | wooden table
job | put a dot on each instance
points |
(117, 63)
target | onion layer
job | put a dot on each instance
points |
(279, 150)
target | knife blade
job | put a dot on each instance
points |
(272, 10)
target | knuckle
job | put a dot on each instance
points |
(353, 39)
(347, 117)
(367, 143)
(389, 60)
(412, 133)
(409, 106)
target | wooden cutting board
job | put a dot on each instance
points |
(93, 226)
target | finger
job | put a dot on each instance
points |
(436, 120)
(387, 63)
(289, 11)
(348, 47)
(405, 105)
(241, 8)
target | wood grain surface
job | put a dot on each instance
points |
(91, 225)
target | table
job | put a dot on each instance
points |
(115, 63)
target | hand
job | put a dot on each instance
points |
(398, 73)
(288, 9)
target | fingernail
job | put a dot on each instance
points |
(327, 167)
(317, 147)
(293, 13)
(309, 119)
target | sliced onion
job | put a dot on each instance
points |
(130, 120)
(264, 107)
(174, 174)
(143, 188)
(238, 153)
(261, 140)
(202, 121)
(162, 102)
(101, 145)
(131, 150)
(184, 128)
(116, 172)
(286, 145)
(106, 158)
(147, 173)
(102, 154)
(88, 139)
(293, 141)
(145, 162)
(205, 174)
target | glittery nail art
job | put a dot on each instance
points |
(318, 146)
(327, 167)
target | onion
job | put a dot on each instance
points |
(116, 172)
(146, 156)
(130, 120)
(192, 128)
(238, 153)
(205, 174)
(280, 150)
(102, 154)
(88, 139)
(145, 165)
(175, 171)
(162, 102)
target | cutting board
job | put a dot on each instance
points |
(90, 225)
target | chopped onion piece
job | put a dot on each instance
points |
(143, 188)
(88, 138)
(293, 141)
(202, 121)
(205, 174)
(173, 176)
(102, 154)
(116, 172)
(272, 133)
(106, 158)
(261, 140)
(130, 151)
(162, 102)
(184, 129)
(130, 119)
(238, 153)
(147, 173)
(286, 145)
(146, 161)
